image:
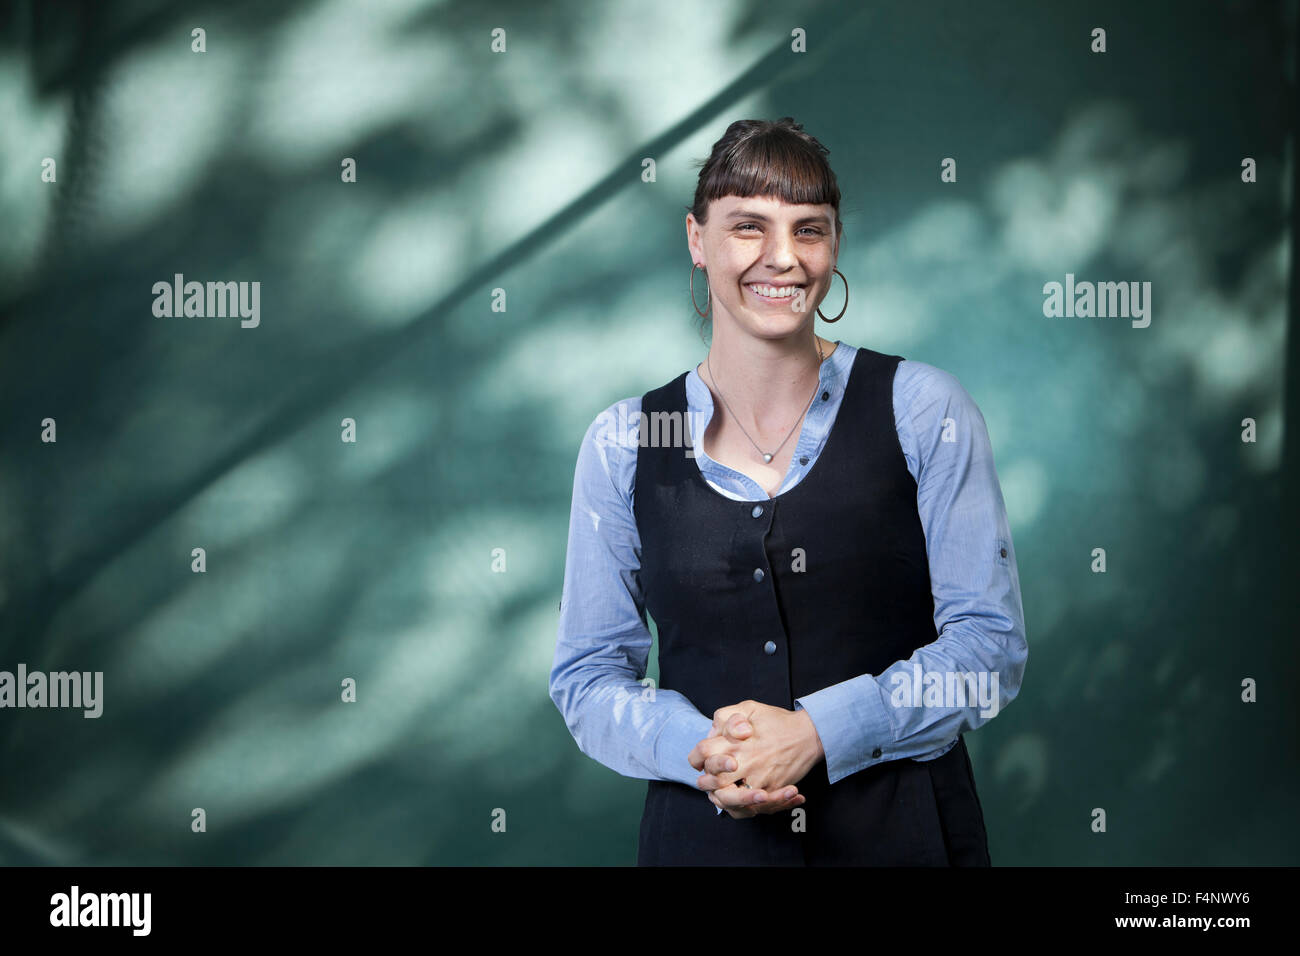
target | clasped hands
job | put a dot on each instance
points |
(769, 748)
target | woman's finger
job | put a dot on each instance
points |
(781, 806)
(720, 763)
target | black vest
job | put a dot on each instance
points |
(774, 599)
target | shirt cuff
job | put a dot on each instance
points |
(677, 738)
(853, 723)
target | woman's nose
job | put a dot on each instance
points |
(780, 248)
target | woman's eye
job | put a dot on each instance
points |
(810, 230)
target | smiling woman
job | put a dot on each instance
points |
(791, 579)
(755, 188)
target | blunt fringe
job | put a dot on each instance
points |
(770, 159)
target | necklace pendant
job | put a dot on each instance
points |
(766, 457)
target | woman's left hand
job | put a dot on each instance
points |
(780, 749)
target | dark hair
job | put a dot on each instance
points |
(762, 158)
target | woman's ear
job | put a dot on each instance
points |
(694, 240)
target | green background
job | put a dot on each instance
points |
(522, 171)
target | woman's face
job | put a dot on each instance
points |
(765, 241)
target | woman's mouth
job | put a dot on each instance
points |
(774, 293)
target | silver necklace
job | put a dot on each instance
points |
(767, 456)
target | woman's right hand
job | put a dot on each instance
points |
(740, 801)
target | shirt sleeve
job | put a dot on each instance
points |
(603, 642)
(978, 615)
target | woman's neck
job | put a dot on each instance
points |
(762, 380)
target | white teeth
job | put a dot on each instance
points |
(775, 292)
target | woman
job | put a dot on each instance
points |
(823, 547)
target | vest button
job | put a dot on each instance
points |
(1004, 552)
(758, 574)
(769, 648)
(876, 752)
(758, 510)
(825, 396)
(803, 461)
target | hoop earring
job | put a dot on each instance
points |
(846, 300)
(705, 313)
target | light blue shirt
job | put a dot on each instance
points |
(603, 641)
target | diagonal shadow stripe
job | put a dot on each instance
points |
(356, 363)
